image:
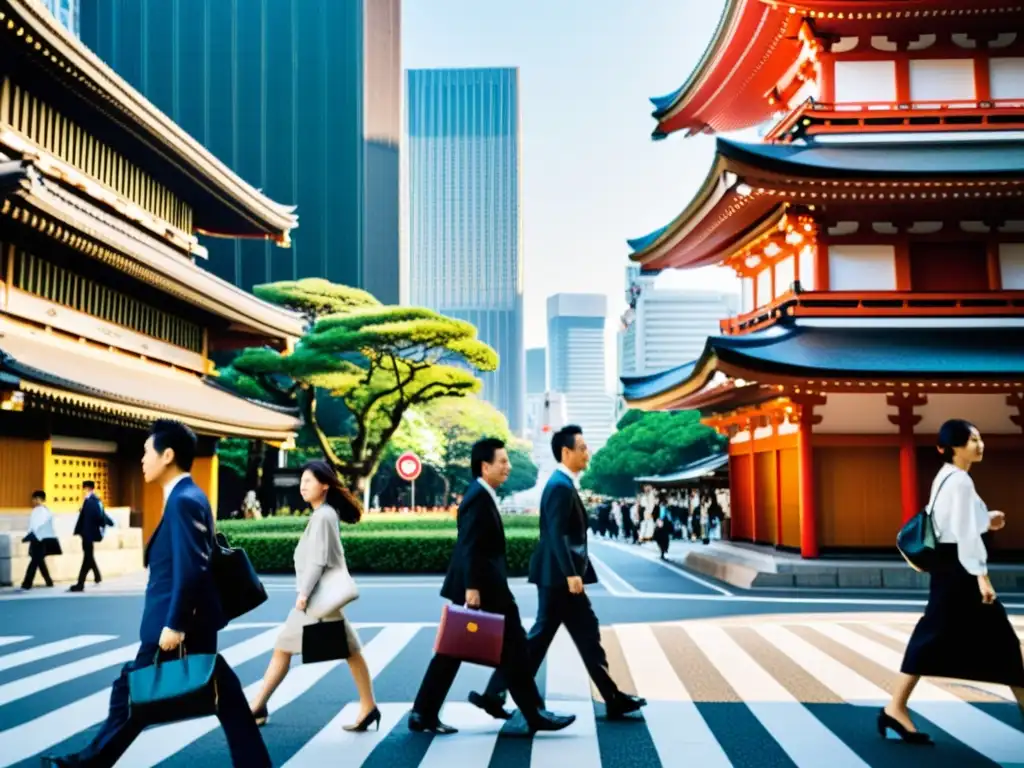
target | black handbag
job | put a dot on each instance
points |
(238, 585)
(173, 690)
(916, 540)
(324, 641)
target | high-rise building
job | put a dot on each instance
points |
(301, 98)
(664, 328)
(465, 252)
(576, 362)
(67, 12)
(536, 370)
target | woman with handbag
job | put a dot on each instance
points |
(324, 587)
(965, 633)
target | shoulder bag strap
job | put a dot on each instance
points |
(931, 508)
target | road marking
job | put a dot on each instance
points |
(677, 571)
(803, 737)
(12, 639)
(28, 739)
(26, 686)
(675, 724)
(474, 744)
(608, 577)
(981, 732)
(45, 650)
(333, 744)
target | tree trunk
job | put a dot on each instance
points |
(266, 493)
(252, 465)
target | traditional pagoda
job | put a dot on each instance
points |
(878, 232)
(107, 319)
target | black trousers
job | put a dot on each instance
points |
(558, 606)
(37, 555)
(88, 563)
(121, 729)
(515, 663)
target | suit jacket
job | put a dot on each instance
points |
(562, 549)
(92, 520)
(478, 560)
(181, 593)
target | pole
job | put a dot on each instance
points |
(413, 496)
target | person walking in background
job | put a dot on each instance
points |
(42, 540)
(318, 552)
(181, 603)
(561, 567)
(965, 632)
(92, 519)
(478, 578)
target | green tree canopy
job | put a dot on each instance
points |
(379, 360)
(524, 472)
(649, 444)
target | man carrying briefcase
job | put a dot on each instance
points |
(181, 607)
(478, 577)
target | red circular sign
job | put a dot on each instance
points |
(409, 466)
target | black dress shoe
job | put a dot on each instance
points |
(622, 705)
(492, 705)
(549, 721)
(419, 724)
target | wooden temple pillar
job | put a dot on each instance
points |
(206, 469)
(808, 492)
(906, 420)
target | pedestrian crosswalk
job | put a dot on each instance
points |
(800, 689)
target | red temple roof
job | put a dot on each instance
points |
(757, 46)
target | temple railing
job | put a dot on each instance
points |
(862, 304)
(816, 117)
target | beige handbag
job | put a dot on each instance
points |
(335, 589)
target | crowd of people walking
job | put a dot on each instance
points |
(964, 633)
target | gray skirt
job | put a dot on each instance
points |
(289, 639)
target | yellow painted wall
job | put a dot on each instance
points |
(205, 471)
(22, 470)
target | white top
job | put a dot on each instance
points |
(40, 522)
(570, 474)
(318, 550)
(487, 487)
(172, 483)
(960, 517)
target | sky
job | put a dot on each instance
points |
(591, 175)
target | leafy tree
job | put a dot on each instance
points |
(379, 360)
(649, 444)
(524, 472)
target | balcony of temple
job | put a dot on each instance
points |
(875, 269)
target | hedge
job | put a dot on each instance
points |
(382, 551)
(369, 524)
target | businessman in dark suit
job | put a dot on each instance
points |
(92, 519)
(478, 577)
(560, 567)
(181, 607)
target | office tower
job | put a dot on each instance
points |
(67, 12)
(465, 252)
(301, 98)
(576, 362)
(536, 370)
(664, 328)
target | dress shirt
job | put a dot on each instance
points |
(490, 490)
(570, 474)
(960, 517)
(169, 485)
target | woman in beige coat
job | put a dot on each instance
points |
(318, 551)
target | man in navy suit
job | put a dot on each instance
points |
(560, 567)
(181, 605)
(92, 519)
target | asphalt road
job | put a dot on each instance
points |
(733, 678)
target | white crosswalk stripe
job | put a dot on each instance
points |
(678, 725)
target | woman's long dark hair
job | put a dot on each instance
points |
(346, 505)
(955, 433)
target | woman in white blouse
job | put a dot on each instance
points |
(318, 551)
(965, 633)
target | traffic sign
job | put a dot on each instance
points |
(409, 466)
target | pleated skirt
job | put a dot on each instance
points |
(959, 636)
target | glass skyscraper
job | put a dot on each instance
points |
(66, 12)
(301, 98)
(465, 251)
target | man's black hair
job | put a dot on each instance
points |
(41, 495)
(483, 453)
(89, 484)
(167, 433)
(564, 438)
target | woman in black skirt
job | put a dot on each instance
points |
(964, 633)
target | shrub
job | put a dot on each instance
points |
(381, 551)
(369, 524)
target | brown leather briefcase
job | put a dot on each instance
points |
(470, 635)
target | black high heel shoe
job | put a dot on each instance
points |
(372, 718)
(885, 723)
(261, 716)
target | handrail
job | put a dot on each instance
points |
(877, 304)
